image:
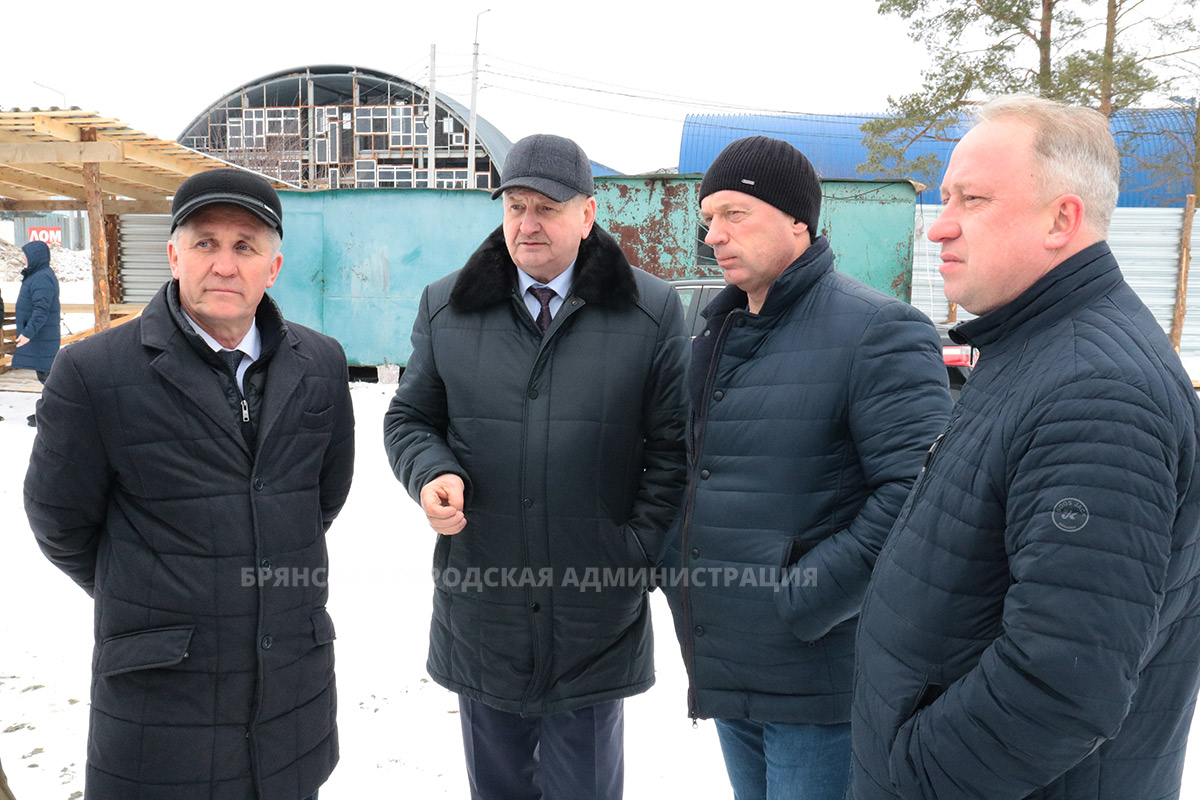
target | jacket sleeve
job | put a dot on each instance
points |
(69, 478)
(664, 417)
(1091, 496)
(337, 469)
(898, 404)
(415, 425)
(41, 297)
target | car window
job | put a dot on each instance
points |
(687, 296)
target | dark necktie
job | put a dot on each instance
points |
(543, 295)
(233, 360)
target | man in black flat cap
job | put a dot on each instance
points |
(186, 468)
(539, 423)
(814, 400)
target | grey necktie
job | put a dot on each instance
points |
(543, 295)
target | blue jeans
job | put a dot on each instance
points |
(778, 760)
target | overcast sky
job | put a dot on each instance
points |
(567, 68)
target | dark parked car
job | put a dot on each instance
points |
(696, 293)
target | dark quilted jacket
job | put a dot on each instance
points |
(37, 311)
(810, 423)
(206, 682)
(1033, 626)
(572, 451)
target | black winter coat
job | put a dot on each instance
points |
(810, 422)
(571, 449)
(1032, 629)
(213, 669)
(37, 311)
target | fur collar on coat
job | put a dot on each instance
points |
(602, 274)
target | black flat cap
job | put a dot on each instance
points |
(230, 186)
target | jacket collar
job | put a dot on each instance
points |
(164, 320)
(792, 283)
(1076, 282)
(163, 328)
(602, 274)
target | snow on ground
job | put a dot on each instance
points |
(399, 731)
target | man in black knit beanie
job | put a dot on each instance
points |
(814, 399)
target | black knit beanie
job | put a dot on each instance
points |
(771, 170)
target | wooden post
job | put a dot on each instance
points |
(1185, 262)
(116, 292)
(95, 208)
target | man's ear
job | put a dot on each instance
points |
(589, 216)
(1066, 222)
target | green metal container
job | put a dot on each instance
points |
(356, 260)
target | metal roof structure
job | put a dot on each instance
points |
(833, 142)
(346, 126)
(45, 157)
(332, 82)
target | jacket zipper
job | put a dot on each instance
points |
(689, 654)
(245, 411)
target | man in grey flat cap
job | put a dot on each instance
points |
(539, 423)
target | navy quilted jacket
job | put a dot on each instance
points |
(1032, 629)
(810, 422)
(37, 311)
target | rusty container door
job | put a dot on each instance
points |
(656, 219)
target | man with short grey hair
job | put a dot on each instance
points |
(539, 423)
(186, 469)
(1033, 623)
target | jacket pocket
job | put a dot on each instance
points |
(151, 649)
(933, 688)
(316, 419)
(323, 632)
(797, 550)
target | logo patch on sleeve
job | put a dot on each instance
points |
(1069, 514)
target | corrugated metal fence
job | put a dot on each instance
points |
(1145, 242)
(143, 254)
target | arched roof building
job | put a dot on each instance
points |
(338, 126)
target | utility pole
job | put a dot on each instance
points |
(431, 117)
(474, 92)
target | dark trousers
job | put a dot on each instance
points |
(572, 755)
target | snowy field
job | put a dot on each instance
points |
(399, 731)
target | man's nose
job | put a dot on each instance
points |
(530, 223)
(224, 262)
(715, 233)
(944, 227)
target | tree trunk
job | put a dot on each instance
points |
(1045, 76)
(1106, 67)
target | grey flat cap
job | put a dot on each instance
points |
(551, 165)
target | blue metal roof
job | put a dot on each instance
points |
(833, 142)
